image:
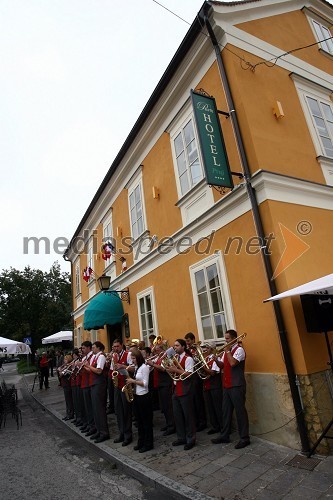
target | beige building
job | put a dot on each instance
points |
(197, 258)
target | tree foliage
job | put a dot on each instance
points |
(34, 303)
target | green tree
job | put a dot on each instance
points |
(34, 303)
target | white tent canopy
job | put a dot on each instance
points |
(322, 285)
(8, 346)
(58, 337)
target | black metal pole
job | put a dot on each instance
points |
(260, 232)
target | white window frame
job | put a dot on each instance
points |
(79, 335)
(305, 89)
(216, 259)
(93, 336)
(142, 295)
(178, 127)
(321, 31)
(199, 198)
(90, 255)
(136, 182)
(108, 236)
(77, 278)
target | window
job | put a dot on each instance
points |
(77, 279)
(136, 211)
(322, 116)
(187, 157)
(107, 238)
(147, 315)
(79, 336)
(211, 298)
(90, 256)
(210, 302)
(323, 35)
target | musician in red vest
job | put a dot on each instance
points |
(182, 398)
(162, 382)
(97, 384)
(234, 391)
(212, 388)
(123, 408)
(89, 425)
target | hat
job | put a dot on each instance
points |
(211, 344)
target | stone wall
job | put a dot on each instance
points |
(318, 407)
(271, 410)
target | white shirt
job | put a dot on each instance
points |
(239, 354)
(142, 374)
(214, 365)
(100, 360)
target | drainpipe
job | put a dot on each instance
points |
(260, 233)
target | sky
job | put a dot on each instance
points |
(65, 66)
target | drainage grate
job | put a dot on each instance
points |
(302, 462)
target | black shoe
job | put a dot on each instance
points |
(201, 427)
(178, 442)
(212, 431)
(84, 428)
(66, 418)
(168, 432)
(100, 439)
(189, 446)
(95, 436)
(164, 428)
(127, 442)
(145, 448)
(220, 440)
(119, 439)
(136, 448)
(242, 444)
(90, 433)
(78, 424)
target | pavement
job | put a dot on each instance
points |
(260, 470)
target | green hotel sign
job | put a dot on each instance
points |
(211, 141)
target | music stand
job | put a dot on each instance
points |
(327, 428)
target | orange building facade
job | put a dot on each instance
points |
(190, 255)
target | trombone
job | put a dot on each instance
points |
(220, 350)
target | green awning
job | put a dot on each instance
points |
(103, 309)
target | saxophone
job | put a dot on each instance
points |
(128, 390)
(115, 380)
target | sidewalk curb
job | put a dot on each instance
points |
(136, 470)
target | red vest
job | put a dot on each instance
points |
(122, 360)
(94, 378)
(214, 381)
(233, 376)
(182, 387)
(85, 373)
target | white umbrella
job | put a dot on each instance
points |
(58, 337)
(8, 346)
(322, 285)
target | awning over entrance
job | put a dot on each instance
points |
(104, 309)
(320, 285)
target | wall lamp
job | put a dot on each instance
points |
(104, 285)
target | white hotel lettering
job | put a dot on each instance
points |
(210, 130)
